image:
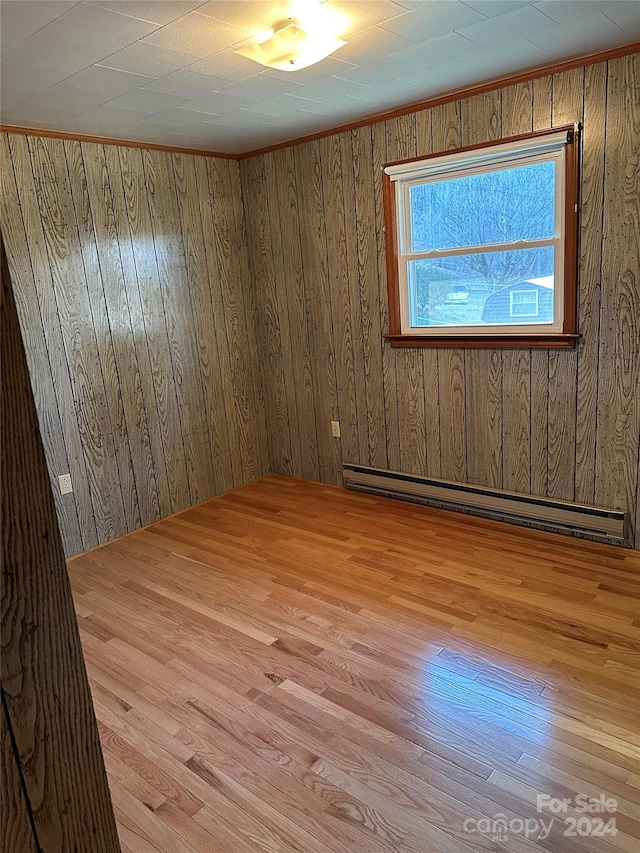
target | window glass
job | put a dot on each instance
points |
(498, 206)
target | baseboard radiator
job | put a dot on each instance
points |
(545, 513)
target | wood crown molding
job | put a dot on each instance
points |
(455, 95)
(107, 140)
(458, 94)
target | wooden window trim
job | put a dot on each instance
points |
(569, 336)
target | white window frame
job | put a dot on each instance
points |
(520, 292)
(401, 177)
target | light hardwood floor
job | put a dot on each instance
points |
(294, 667)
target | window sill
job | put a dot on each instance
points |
(554, 341)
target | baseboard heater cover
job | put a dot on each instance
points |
(564, 516)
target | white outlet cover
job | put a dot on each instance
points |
(65, 484)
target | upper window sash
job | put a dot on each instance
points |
(464, 160)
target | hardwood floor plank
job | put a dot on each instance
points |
(295, 667)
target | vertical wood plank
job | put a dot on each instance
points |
(266, 250)
(591, 235)
(446, 129)
(339, 301)
(295, 301)
(47, 406)
(618, 436)
(252, 375)
(542, 88)
(45, 692)
(71, 156)
(78, 333)
(373, 345)
(151, 309)
(15, 825)
(142, 339)
(205, 337)
(517, 117)
(35, 255)
(353, 298)
(92, 194)
(318, 306)
(389, 380)
(219, 330)
(231, 288)
(401, 144)
(568, 97)
(158, 167)
(481, 122)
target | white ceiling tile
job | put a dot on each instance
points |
(148, 59)
(68, 97)
(198, 35)
(174, 117)
(362, 14)
(515, 54)
(159, 12)
(625, 14)
(374, 73)
(371, 44)
(494, 32)
(576, 40)
(25, 75)
(12, 97)
(262, 86)
(438, 50)
(253, 15)
(335, 87)
(432, 19)
(187, 84)
(36, 116)
(107, 80)
(281, 105)
(147, 101)
(340, 105)
(108, 115)
(91, 25)
(493, 8)
(227, 65)
(235, 119)
(43, 50)
(20, 19)
(328, 67)
(217, 103)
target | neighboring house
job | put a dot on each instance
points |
(523, 302)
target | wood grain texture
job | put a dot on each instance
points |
(141, 345)
(568, 106)
(619, 363)
(15, 825)
(45, 689)
(329, 684)
(525, 420)
(517, 117)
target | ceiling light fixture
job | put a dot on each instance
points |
(288, 47)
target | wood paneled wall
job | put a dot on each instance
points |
(131, 277)
(558, 423)
(55, 797)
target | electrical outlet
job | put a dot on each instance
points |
(335, 429)
(65, 484)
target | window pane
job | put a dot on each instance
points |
(493, 207)
(483, 289)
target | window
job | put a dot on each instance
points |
(482, 244)
(523, 303)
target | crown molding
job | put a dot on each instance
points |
(455, 95)
(108, 140)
